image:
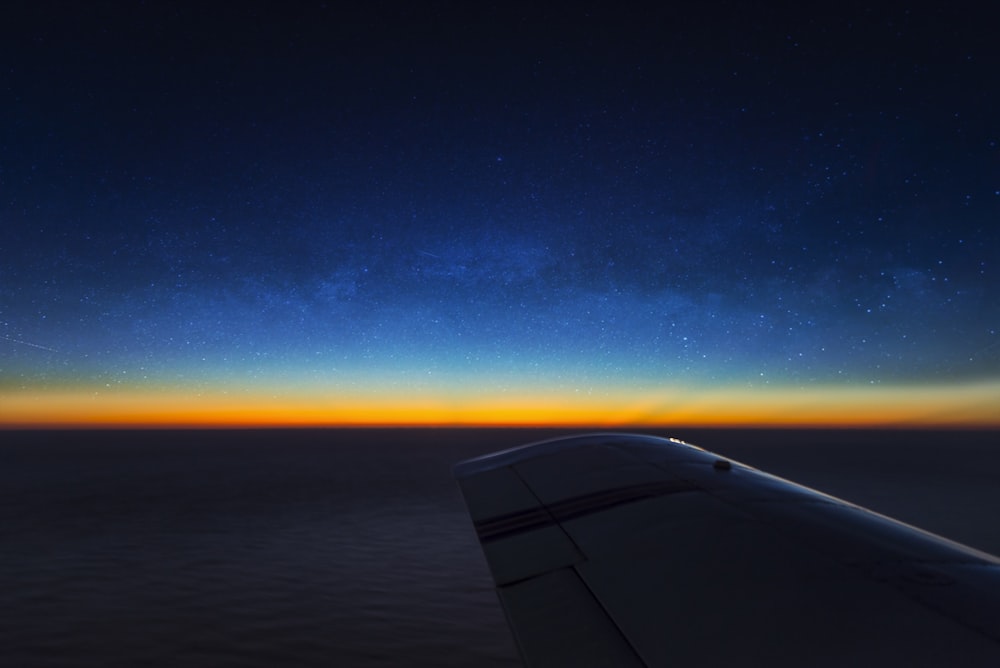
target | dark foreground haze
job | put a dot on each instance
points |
(344, 547)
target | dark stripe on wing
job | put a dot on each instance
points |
(502, 526)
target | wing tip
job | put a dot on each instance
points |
(548, 446)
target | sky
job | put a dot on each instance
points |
(267, 213)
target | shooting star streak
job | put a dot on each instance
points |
(28, 343)
(429, 254)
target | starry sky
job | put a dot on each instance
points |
(463, 213)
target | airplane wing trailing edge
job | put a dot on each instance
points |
(628, 550)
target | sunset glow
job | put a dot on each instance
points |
(973, 405)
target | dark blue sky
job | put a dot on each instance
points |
(584, 194)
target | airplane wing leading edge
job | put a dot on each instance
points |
(629, 550)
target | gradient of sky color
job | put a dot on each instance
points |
(450, 213)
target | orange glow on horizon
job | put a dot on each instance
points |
(964, 406)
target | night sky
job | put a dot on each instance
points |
(451, 212)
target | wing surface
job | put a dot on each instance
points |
(629, 550)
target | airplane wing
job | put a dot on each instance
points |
(628, 550)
